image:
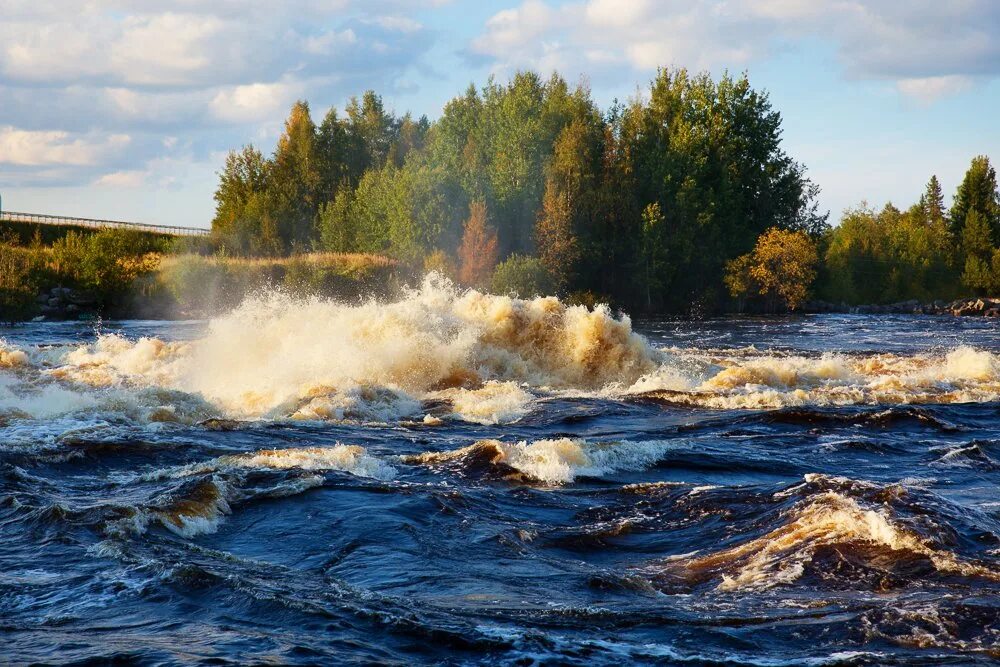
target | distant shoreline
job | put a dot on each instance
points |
(965, 307)
(61, 304)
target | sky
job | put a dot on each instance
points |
(125, 109)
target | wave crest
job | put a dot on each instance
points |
(828, 519)
(554, 461)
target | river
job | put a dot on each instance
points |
(464, 479)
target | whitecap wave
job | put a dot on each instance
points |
(490, 357)
(749, 379)
(826, 519)
(347, 458)
(555, 461)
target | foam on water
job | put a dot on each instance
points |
(348, 458)
(275, 351)
(493, 403)
(826, 519)
(490, 357)
(11, 356)
(202, 511)
(554, 461)
(750, 379)
(45, 401)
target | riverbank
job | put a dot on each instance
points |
(120, 274)
(196, 287)
(191, 286)
(974, 306)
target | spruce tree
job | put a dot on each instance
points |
(932, 202)
(978, 193)
(295, 180)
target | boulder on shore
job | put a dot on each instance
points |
(978, 306)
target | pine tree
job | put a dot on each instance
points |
(653, 251)
(932, 202)
(558, 246)
(978, 192)
(244, 177)
(332, 150)
(295, 180)
(410, 137)
(372, 132)
(977, 244)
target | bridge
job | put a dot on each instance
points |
(36, 218)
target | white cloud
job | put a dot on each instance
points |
(329, 42)
(254, 102)
(928, 48)
(398, 23)
(34, 148)
(618, 12)
(49, 51)
(122, 179)
(166, 49)
(511, 30)
(205, 74)
(930, 89)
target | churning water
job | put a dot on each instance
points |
(463, 478)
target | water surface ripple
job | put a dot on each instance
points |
(530, 486)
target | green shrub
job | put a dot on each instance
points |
(521, 276)
(21, 273)
(106, 263)
(204, 285)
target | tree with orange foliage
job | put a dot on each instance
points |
(781, 268)
(478, 253)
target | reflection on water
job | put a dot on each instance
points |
(469, 479)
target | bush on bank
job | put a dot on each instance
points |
(21, 270)
(522, 276)
(201, 285)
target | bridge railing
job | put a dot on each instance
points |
(14, 216)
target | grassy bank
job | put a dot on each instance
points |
(191, 285)
(123, 273)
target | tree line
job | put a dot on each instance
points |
(678, 201)
(529, 181)
(927, 251)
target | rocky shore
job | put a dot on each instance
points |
(976, 307)
(63, 303)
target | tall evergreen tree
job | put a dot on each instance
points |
(410, 137)
(978, 193)
(332, 155)
(454, 145)
(567, 203)
(372, 131)
(295, 180)
(932, 202)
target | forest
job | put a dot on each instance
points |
(655, 205)
(529, 186)
(681, 201)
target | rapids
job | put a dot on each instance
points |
(463, 478)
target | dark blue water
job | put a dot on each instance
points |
(853, 518)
